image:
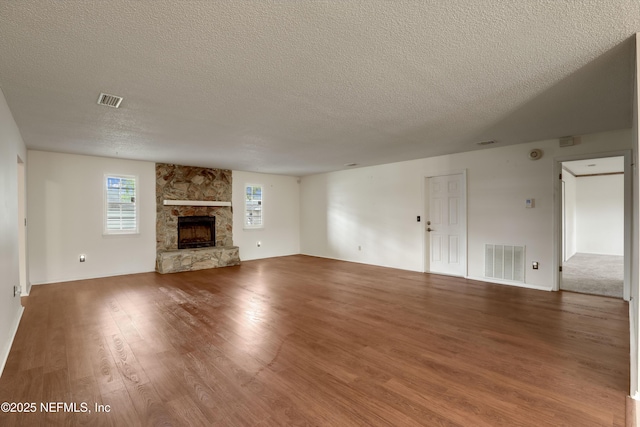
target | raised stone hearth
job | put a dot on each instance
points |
(189, 183)
(197, 259)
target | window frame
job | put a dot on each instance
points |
(105, 210)
(245, 225)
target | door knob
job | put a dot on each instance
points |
(430, 229)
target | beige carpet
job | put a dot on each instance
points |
(594, 274)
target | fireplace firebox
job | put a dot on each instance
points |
(196, 232)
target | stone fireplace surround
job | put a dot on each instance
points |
(196, 231)
(188, 183)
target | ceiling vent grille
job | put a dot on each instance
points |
(109, 100)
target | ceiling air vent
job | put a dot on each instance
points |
(109, 100)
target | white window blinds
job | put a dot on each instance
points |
(121, 213)
(253, 207)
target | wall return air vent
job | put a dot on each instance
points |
(109, 100)
(504, 262)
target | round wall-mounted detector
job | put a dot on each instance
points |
(535, 154)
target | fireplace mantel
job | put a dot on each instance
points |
(194, 203)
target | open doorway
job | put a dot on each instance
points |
(593, 226)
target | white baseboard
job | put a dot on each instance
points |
(98, 276)
(361, 262)
(269, 256)
(25, 292)
(479, 279)
(7, 349)
(508, 283)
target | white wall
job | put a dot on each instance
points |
(11, 146)
(376, 207)
(570, 214)
(365, 215)
(65, 199)
(281, 213)
(600, 214)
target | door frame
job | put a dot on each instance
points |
(425, 212)
(22, 227)
(558, 228)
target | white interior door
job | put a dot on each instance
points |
(446, 224)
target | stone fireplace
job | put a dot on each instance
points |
(196, 232)
(194, 218)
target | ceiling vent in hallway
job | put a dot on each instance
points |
(109, 100)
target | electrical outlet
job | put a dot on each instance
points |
(83, 258)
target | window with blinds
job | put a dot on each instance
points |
(121, 211)
(253, 207)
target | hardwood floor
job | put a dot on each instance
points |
(308, 341)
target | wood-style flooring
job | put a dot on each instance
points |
(308, 341)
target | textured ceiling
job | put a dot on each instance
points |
(595, 166)
(304, 87)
